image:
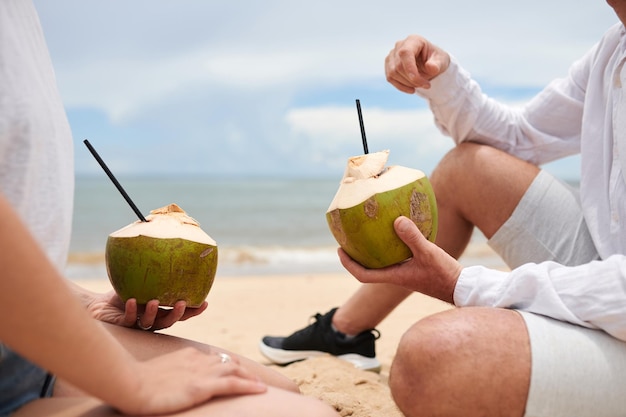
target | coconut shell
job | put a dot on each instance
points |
(168, 258)
(365, 207)
(169, 270)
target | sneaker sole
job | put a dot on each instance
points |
(284, 357)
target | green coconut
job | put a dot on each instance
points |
(168, 258)
(369, 199)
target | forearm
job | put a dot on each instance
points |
(84, 296)
(43, 321)
(545, 129)
(590, 295)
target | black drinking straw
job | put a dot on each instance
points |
(112, 177)
(358, 109)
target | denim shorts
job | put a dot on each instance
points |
(20, 381)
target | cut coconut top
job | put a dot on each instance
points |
(366, 175)
(167, 222)
(366, 166)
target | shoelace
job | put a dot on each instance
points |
(318, 320)
(312, 325)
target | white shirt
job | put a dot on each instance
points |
(583, 113)
(36, 149)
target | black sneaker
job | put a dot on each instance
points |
(318, 339)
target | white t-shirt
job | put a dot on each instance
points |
(584, 113)
(36, 149)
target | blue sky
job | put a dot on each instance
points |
(236, 88)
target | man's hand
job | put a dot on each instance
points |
(110, 308)
(430, 271)
(413, 62)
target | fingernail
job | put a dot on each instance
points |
(402, 224)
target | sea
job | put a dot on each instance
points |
(263, 226)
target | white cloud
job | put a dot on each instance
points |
(108, 57)
(328, 124)
(410, 134)
(253, 73)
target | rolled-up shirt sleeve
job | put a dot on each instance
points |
(546, 128)
(590, 295)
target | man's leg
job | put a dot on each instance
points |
(480, 361)
(477, 361)
(467, 362)
(475, 185)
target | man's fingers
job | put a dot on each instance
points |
(413, 62)
(354, 268)
(409, 233)
(366, 275)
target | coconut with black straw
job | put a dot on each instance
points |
(370, 198)
(166, 256)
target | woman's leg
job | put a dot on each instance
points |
(145, 345)
(273, 403)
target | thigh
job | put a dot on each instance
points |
(144, 345)
(477, 186)
(575, 370)
(546, 225)
(274, 402)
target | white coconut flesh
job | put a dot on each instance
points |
(366, 176)
(170, 222)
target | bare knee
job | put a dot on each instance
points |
(470, 164)
(463, 159)
(421, 361)
(472, 180)
(470, 361)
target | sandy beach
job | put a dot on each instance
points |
(242, 309)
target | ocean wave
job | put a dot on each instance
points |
(263, 260)
(231, 261)
(277, 255)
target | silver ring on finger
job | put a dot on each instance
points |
(224, 358)
(141, 326)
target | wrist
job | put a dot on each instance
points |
(447, 84)
(451, 283)
(126, 390)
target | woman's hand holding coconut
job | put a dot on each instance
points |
(110, 308)
(161, 271)
(430, 270)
